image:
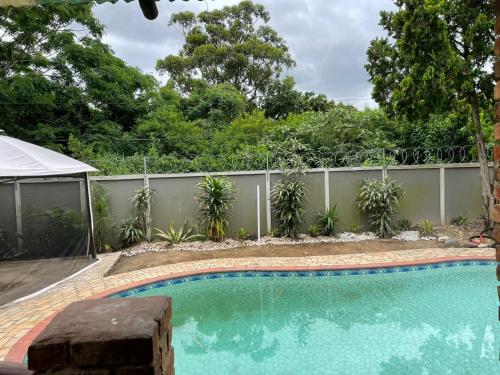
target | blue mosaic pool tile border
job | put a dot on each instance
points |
(317, 273)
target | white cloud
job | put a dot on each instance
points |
(328, 39)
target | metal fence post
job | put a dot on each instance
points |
(326, 176)
(19, 217)
(268, 196)
(442, 197)
(148, 210)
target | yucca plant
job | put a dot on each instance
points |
(141, 201)
(171, 235)
(129, 233)
(356, 228)
(327, 221)
(380, 200)
(215, 199)
(100, 208)
(426, 228)
(288, 205)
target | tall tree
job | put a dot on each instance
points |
(437, 58)
(229, 45)
(57, 78)
(283, 99)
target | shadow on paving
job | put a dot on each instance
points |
(21, 278)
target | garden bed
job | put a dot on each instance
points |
(299, 249)
(145, 255)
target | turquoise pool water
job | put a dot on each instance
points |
(440, 320)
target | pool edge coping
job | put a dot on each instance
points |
(18, 351)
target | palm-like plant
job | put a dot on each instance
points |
(288, 204)
(100, 207)
(171, 235)
(327, 221)
(215, 202)
(141, 201)
(380, 199)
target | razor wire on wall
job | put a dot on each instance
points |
(345, 156)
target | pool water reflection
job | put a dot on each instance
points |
(431, 321)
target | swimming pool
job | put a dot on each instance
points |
(409, 320)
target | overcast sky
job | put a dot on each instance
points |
(327, 38)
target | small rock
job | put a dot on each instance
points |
(452, 243)
(443, 239)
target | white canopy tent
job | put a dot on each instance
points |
(22, 160)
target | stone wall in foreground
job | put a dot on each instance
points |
(107, 336)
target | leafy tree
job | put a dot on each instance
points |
(233, 44)
(437, 59)
(283, 99)
(216, 106)
(57, 78)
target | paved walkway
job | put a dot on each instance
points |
(21, 322)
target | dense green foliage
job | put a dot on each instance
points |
(437, 59)
(216, 196)
(380, 200)
(226, 106)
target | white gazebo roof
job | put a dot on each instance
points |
(23, 159)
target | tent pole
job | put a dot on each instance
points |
(90, 216)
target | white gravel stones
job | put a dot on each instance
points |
(412, 235)
(145, 247)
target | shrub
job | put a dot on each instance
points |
(380, 199)
(426, 228)
(404, 225)
(356, 228)
(141, 201)
(171, 235)
(288, 201)
(314, 231)
(100, 209)
(215, 202)
(243, 234)
(129, 232)
(459, 221)
(327, 221)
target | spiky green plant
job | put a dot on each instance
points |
(100, 209)
(243, 234)
(171, 235)
(129, 233)
(327, 220)
(288, 205)
(426, 228)
(356, 228)
(216, 196)
(141, 201)
(380, 200)
(404, 225)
